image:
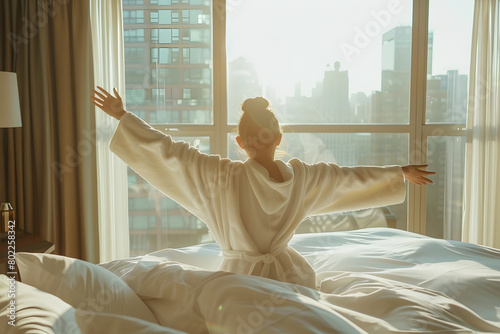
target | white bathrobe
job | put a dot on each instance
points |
(251, 216)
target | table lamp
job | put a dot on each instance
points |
(10, 112)
(10, 117)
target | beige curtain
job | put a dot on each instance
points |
(50, 174)
(109, 72)
(482, 172)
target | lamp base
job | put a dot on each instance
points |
(7, 221)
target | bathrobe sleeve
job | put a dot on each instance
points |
(330, 188)
(175, 168)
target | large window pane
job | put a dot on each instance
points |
(345, 149)
(318, 62)
(157, 222)
(446, 156)
(324, 63)
(448, 62)
(448, 65)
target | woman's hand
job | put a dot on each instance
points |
(417, 174)
(112, 105)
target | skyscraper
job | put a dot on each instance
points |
(396, 67)
(168, 60)
(335, 98)
(168, 76)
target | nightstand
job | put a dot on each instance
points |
(25, 242)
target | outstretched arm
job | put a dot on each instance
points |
(330, 188)
(181, 172)
(417, 174)
(112, 105)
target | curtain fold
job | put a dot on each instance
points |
(109, 72)
(51, 169)
(482, 173)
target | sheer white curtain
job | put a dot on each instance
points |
(482, 175)
(109, 72)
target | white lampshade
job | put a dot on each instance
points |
(10, 112)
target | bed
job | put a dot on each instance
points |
(375, 280)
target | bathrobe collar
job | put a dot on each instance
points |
(271, 195)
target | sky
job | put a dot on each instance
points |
(292, 41)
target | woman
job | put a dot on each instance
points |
(252, 208)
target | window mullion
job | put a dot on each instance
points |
(219, 77)
(345, 128)
(418, 142)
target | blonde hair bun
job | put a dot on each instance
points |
(256, 104)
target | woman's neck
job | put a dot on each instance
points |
(265, 157)
(270, 165)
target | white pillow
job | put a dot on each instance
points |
(81, 284)
(114, 323)
(36, 311)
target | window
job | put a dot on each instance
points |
(355, 80)
(133, 35)
(133, 16)
(195, 16)
(164, 36)
(134, 55)
(163, 2)
(197, 76)
(348, 80)
(135, 97)
(133, 2)
(165, 55)
(196, 36)
(135, 75)
(164, 17)
(165, 76)
(196, 56)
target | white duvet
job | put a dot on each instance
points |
(371, 281)
(375, 280)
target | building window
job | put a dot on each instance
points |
(195, 16)
(196, 56)
(133, 2)
(165, 76)
(134, 55)
(133, 35)
(165, 55)
(164, 17)
(200, 76)
(164, 36)
(163, 2)
(133, 17)
(196, 36)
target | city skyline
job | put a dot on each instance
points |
(277, 45)
(332, 102)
